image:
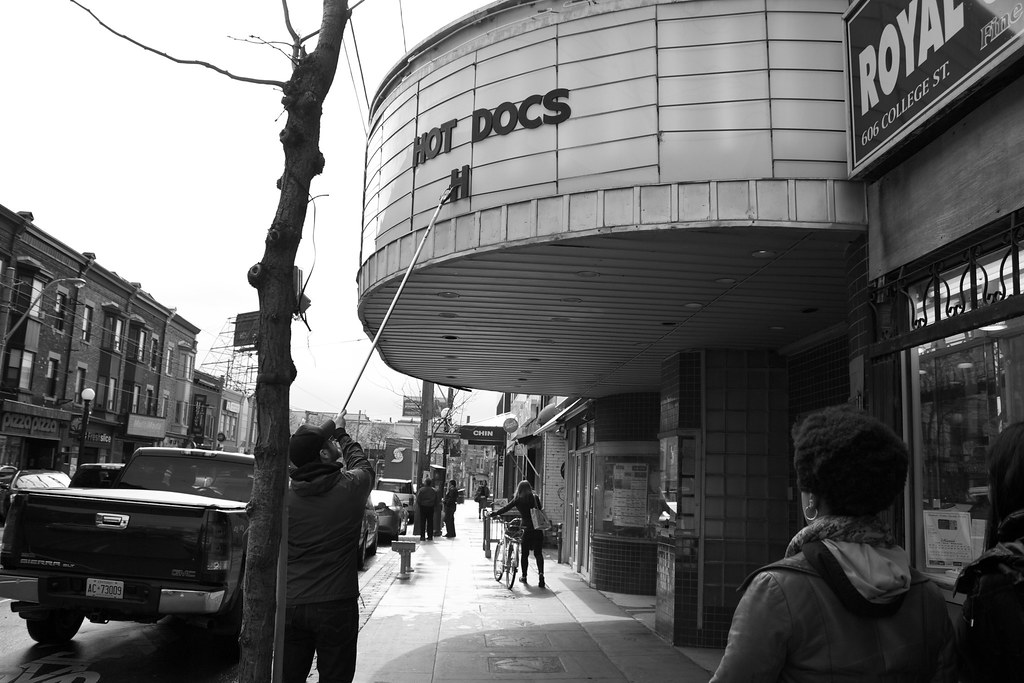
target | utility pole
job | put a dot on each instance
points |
(426, 414)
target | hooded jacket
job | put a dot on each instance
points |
(791, 625)
(326, 504)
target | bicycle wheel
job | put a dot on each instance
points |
(499, 560)
(511, 564)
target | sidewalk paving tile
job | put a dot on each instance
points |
(451, 621)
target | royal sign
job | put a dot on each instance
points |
(906, 60)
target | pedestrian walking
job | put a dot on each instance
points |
(845, 602)
(533, 538)
(450, 502)
(325, 502)
(426, 501)
(990, 630)
(482, 498)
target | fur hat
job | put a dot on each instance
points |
(305, 444)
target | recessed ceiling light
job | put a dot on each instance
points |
(533, 360)
(726, 280)
(763, 253)
(668, 324)
(994, 328)
(451, 357)
(588, 273)
(449, 295)
(810, 310)
(572, 300)
(449, 337)
(693, 305)
(966, 365)
(447, 315)
(776, 327)
(449, 376)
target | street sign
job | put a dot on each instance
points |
(446, 435)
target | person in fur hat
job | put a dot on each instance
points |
(326, 499)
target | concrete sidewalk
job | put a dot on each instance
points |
(451, 621)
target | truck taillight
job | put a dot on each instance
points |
(9, 542)
(216, 560)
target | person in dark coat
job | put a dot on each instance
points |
(844, 604)
(450, 502)
(325, 501)
(481, 498)
(533, 538)
(426, 500)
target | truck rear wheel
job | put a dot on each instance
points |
(59, 626)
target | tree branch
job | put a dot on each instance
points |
(194, 62)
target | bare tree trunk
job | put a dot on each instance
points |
(304, 94)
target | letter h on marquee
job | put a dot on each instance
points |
(460, 183)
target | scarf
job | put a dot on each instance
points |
(868, 529)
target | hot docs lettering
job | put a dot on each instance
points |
(534, 111)
(906, 58)
(28, 424)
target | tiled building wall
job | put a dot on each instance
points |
(626, 417)
(553, 493)
(681, 391)
(746, 479)
(624, 566)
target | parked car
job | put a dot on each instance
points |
(28, 480)
(368, 535)
(403, 487)
(6, 474)
(95, 475)
(392, 517)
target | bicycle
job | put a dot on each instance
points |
(506, 554)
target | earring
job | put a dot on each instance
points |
(807, 515)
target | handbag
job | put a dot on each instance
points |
(539, 519)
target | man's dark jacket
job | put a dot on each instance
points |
(326, 504)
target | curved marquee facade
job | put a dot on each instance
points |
(631, 178)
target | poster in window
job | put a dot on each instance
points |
(629, 494)
(947, 539)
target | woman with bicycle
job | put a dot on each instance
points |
(533, 539)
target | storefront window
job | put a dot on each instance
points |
(970, 387)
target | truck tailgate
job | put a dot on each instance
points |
(109, 536)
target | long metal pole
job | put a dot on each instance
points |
(408, 271)
(282, 555)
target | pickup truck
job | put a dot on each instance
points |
(167, 538)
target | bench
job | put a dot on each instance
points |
(404, 546)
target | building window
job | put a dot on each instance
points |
(87, 316)
(187, 366)
(136, 395)
(966, 388)
(180, 412)
(52, 373)
(141, 344)
(116, 333)
(150, 401)
(36, 297)
(165, 398)
(79, 384)
(19, 369)
(108, 393)
(60, 308)
(154, 354)
(169, 361)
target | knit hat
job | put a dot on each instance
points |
(305, 444)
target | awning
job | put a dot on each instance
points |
(569, 405)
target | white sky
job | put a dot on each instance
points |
(167, 172)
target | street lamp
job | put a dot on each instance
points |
(88, 394)
(76, 282)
